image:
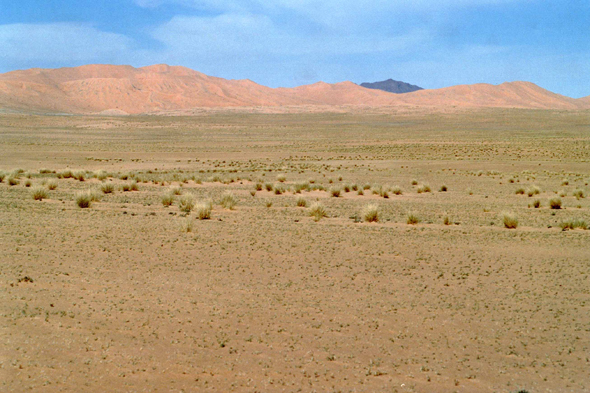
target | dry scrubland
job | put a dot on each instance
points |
(198, 265)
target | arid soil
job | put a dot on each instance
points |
(129, 295)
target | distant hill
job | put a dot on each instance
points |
(392, 86)
(119, 90)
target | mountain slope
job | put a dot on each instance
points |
(125, 89)
(392, 86)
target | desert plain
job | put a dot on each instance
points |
(133, 294)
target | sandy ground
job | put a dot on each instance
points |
(119, 297)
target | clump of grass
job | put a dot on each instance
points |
(573, 224)
(253, 192)
(447, 220)
(101, 175)
(354, 187)
(579, 193)
(412, 218)
(175, 191)
(107, 188)
(301, 202)
(562, 193)
(519, 191)
(45, 170)
(367, 187)
(371, 213)
(167, 199)
(279, 189)
(281, 178)
(228, 200)
(565, 182)
(443, 188)
(555, 203)
(537, 204)
(258, 187)
(346, 188)
(203, 210)
(65, 174)
(317, 211)
(186, 203)
(396, 190)
(335, 192)
(268, 186)
(423, 188)
(52, 184)
(12, 181)
(28, 183)
(186, 225)
(268, 203)
(414, 182)
(2, 176)
(79, 175)
(360, 192)
(510, 220)
(38, 193)
(533, 190)
(84, 199)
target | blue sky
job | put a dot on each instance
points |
(291, 42)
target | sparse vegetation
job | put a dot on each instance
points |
(168, 198)
(335, 192)
(533, 190)
(228, 200)
(51, 184)
(412, 218)
(443, 188)
(578, 193)
(510, 220)
(423, 188)
(84, 199)
(371, 213)
(203, 210)
(317, 211)
(301, 202)
(555, 203)
(39, 193)
(186, 203)
(573, 224)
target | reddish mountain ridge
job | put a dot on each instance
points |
(157, 88)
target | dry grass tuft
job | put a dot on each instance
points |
(167, 199)
(186, 225)
(228, 200)
(533, 190)
(573, 224)
(371, 213)
(84, 199)
(519, 191)
(443, 188)
(396, 190)
(317, 211)
(38, 193)
(101, 175)
(12, 181)
(555, 203)
(186, 203)
(335, 192)
(412, 218)
(203, 210)
(301, 202)
(281, 178)
(51, 184)
(537, 204)
(510, 220)
(423, 188)
(579, 193)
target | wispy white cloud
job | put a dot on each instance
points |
(56, 42)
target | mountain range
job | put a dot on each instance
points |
(392, 86)
(115, 89)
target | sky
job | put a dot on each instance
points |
(286, 43)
